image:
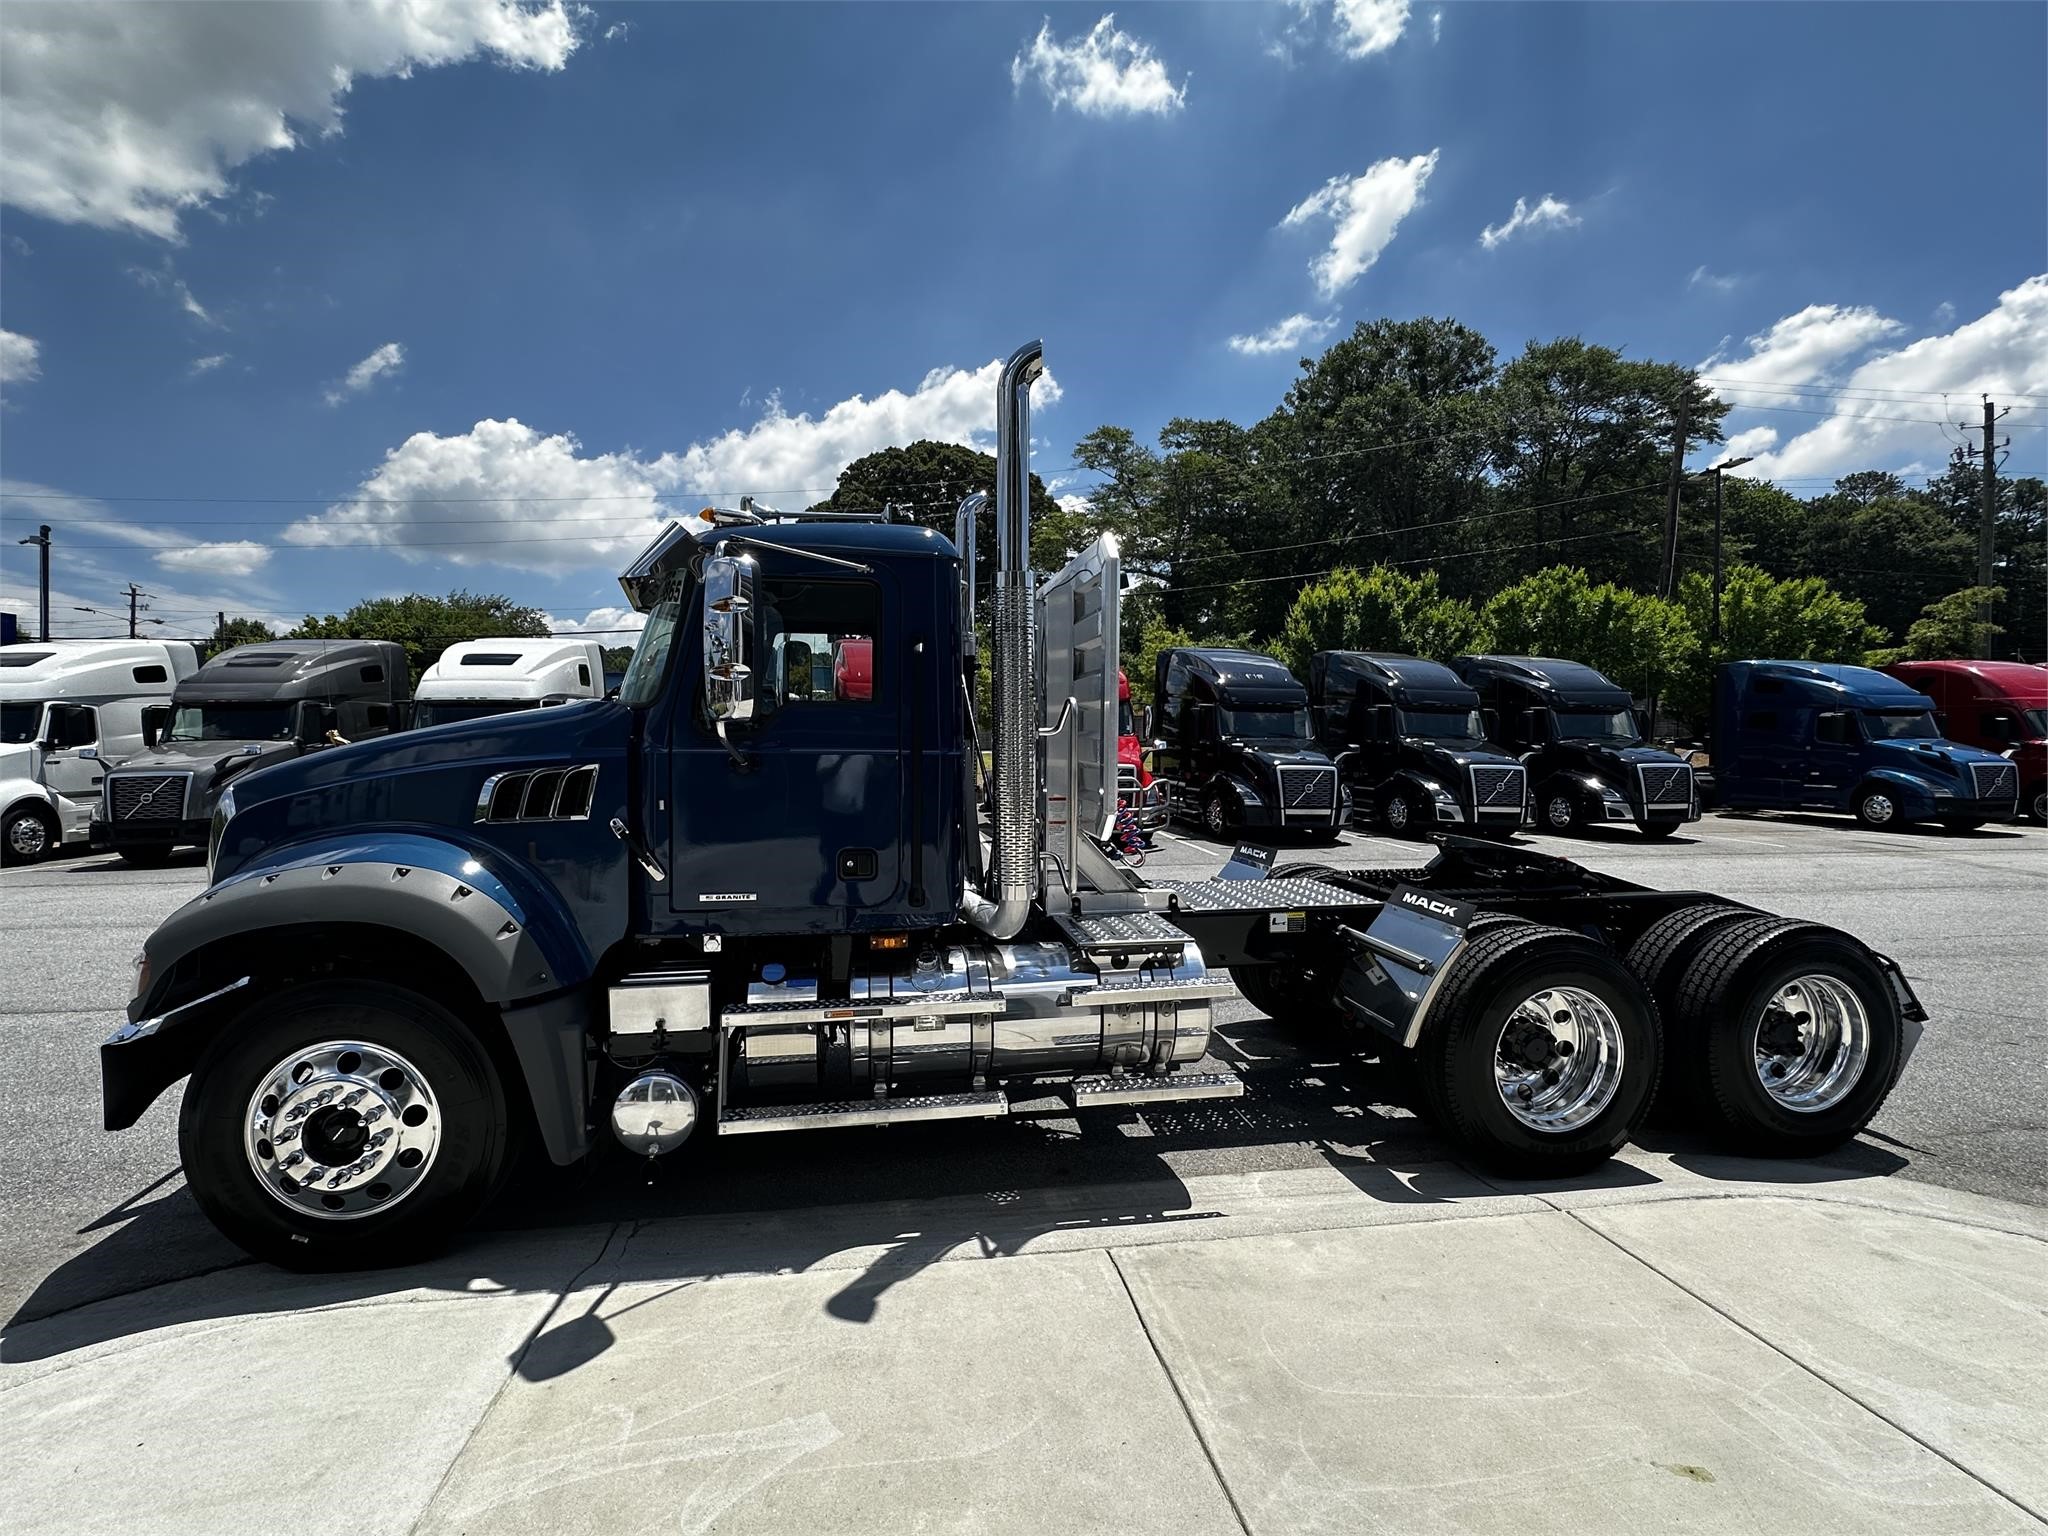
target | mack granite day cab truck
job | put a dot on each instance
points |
(1237, 752)
(715, 906)
(1578, 735)
(2001, 706)
(68, 709)
(250, 705)
(1822, 736)
(474, 678)
(1411, 740)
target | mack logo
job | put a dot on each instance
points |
(1440, 908)
(1452, 914)
(726, 896)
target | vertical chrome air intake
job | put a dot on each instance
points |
(965, 517)
(1015, 680)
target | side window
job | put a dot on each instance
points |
(822, 640)
(378, 717)
(74, 725)
(152, 674)
(373, 674)
(583, 674)
(1832, 726)
(1761, 720)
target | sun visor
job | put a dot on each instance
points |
(644, 578)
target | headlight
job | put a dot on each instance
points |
(1609, 792)
(223, 812)
(1443, 796)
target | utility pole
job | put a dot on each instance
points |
(42, 538)
(134, 594)
(220, 632)
(1667, 581)
(1987, 525)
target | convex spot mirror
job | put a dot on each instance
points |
(728, 632)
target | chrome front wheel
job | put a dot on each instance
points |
(1876, 809)
(1812, 1044)
(28, 837)
(1558, 1062)
(342, 1128)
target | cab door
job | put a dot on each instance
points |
(1833, 759)
(797, 827)
(72, 765)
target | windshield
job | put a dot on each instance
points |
(1270, 724)
(1442, 724)
(1596, 725)
(18, 722)
(1901, 725)
(445, 711)
(2037, 722)
(642, 684)
(269, 721)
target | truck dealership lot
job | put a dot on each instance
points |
(85, 1215)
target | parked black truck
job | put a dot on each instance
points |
(1236, 748)
(1578, 735)
(248, 707)
(726, 904)
(1408, 737)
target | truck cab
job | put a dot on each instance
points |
(1236, 748)
(1577, 734)
(69, 709)
(249, 707)
(1412, 743)
(475, 678)
(1822, 736)
(2001, 706)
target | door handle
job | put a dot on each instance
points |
(640, 854)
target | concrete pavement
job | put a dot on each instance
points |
(1674, 1344)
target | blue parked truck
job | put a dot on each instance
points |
(741, 899)
(1578, 735)
(1822, 736)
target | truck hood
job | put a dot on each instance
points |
(1947, 759)
(204, 759)
(1443, 759)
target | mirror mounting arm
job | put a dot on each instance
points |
(802, 554)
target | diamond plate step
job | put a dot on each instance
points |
(1289, 895)
(1120, 930)
(896, 1111)
(1095, 1092)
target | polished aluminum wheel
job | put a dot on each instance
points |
(1558, 1062)
(1559, 813)
(1878, 809)
(1812, 1043)
(28, 837)
(341, 1129)
(1397, 813)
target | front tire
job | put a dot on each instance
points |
(1219, 817)
(31, 834)
(1544, 1052)
(146, 858)
(1877, 810)
(1398, 814)
(385, 1093)
(1561, 813)
(1657, 831)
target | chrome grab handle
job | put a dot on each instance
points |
(640, 854)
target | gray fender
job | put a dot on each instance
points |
(522, 962)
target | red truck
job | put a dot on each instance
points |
(1134, 786)
(2001, 706)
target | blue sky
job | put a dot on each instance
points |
(536, 271)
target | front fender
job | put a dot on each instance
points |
(1915, 796)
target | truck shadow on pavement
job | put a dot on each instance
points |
(881, 1207)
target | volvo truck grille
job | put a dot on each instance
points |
(1305, 790)
(1996, 781)
(147, 796)
(1665, 784)
(1497, 789)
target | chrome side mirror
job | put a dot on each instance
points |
(728, 620)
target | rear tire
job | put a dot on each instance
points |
(30, 834)
(412, 1058)
(1774, 1083)
(146, 858)
(1511, 987)
(1659, 958)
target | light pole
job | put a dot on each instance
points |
(42, 538)
(1717, 471)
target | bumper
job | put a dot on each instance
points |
(1148, 805)
(142, 1057)
(112, 836)
(1975, 810)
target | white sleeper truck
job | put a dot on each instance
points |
(475, 678)
(68, 709)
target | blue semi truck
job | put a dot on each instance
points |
(738, 899)
(1822, 736)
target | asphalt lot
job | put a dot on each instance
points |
(85, 1214)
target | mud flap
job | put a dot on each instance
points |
(1248, 861)
(1399, 960)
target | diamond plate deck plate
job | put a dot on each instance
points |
(1294, 895)
(1092, 1092)
(1119, 929)
(896, 1111)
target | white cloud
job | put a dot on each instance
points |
(1102, 74)
(610, 626)
(1288, 334)
(1749, 443)
(236, 557)
(1802, 348)
(1720, 283)
(164, 280)
(540, 501)
(1366, 209)
(1550, 213)
(1436, 26)
(1944, 312)
(127, 115)
(1366, 27)
(20, 358)
(1888, 412)
(207, 364)
(388, 358)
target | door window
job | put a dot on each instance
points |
(1833, 727)
(73, 725)
(821, 640)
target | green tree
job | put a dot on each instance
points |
(1892, 552)
(1764, 618)
(617, 657)
(1948, 627)
(239, 631)
(1639, 641)
(426, 626)
(1381, 609)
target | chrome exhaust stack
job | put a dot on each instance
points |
(1014, 885)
